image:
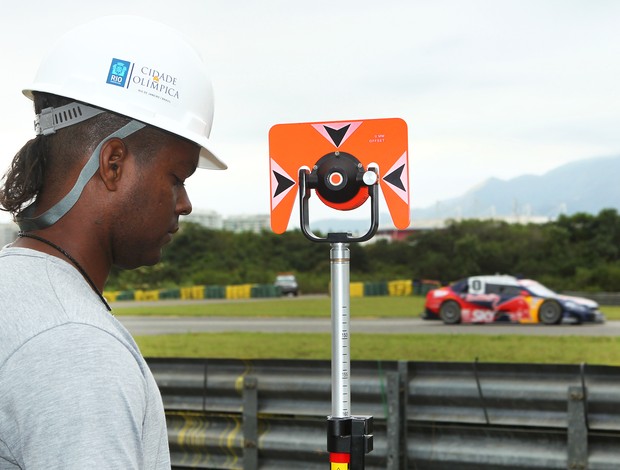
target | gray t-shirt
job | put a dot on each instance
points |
(75, 392)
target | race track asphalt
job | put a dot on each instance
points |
(152, 325)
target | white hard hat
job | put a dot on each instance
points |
(138, 68)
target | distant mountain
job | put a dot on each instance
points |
(581, 186)
(587, 185)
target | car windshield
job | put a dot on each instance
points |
(538, 289)
(285, 278)
(459, 286)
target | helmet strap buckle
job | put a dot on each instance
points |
(52, 119)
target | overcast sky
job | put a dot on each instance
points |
(488, 88)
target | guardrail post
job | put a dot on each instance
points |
(577, 429)
(393, 421)
(250, 423)
(403, 390)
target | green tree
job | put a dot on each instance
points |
(573, 253)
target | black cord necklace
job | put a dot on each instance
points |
(70, 258)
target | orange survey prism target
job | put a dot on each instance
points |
(377, 142)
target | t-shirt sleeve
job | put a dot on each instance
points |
(78, 399)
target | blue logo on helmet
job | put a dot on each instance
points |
(119, 71)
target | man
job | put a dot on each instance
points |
(124, 110)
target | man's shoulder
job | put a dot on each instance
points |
(39, 293)
(73, 388)
(80, 339)
(31, 264)
(78, 344)
(27, 275)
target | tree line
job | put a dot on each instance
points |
(577, 252)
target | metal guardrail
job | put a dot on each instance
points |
(232, 414)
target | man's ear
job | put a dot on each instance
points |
(112, 158)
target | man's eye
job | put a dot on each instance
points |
(179, 181)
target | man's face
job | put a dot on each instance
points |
(155, 196)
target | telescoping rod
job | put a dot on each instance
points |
(341, 354)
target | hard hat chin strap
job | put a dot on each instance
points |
(25, 220)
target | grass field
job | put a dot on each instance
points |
(411, 347)
(499, 348)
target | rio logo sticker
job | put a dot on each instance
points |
(119, 71)
(144, 79)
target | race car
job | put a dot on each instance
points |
(488, 299)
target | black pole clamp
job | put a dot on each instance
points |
(352, 436)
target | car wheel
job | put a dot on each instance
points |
(550, 312)
(450, 312)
